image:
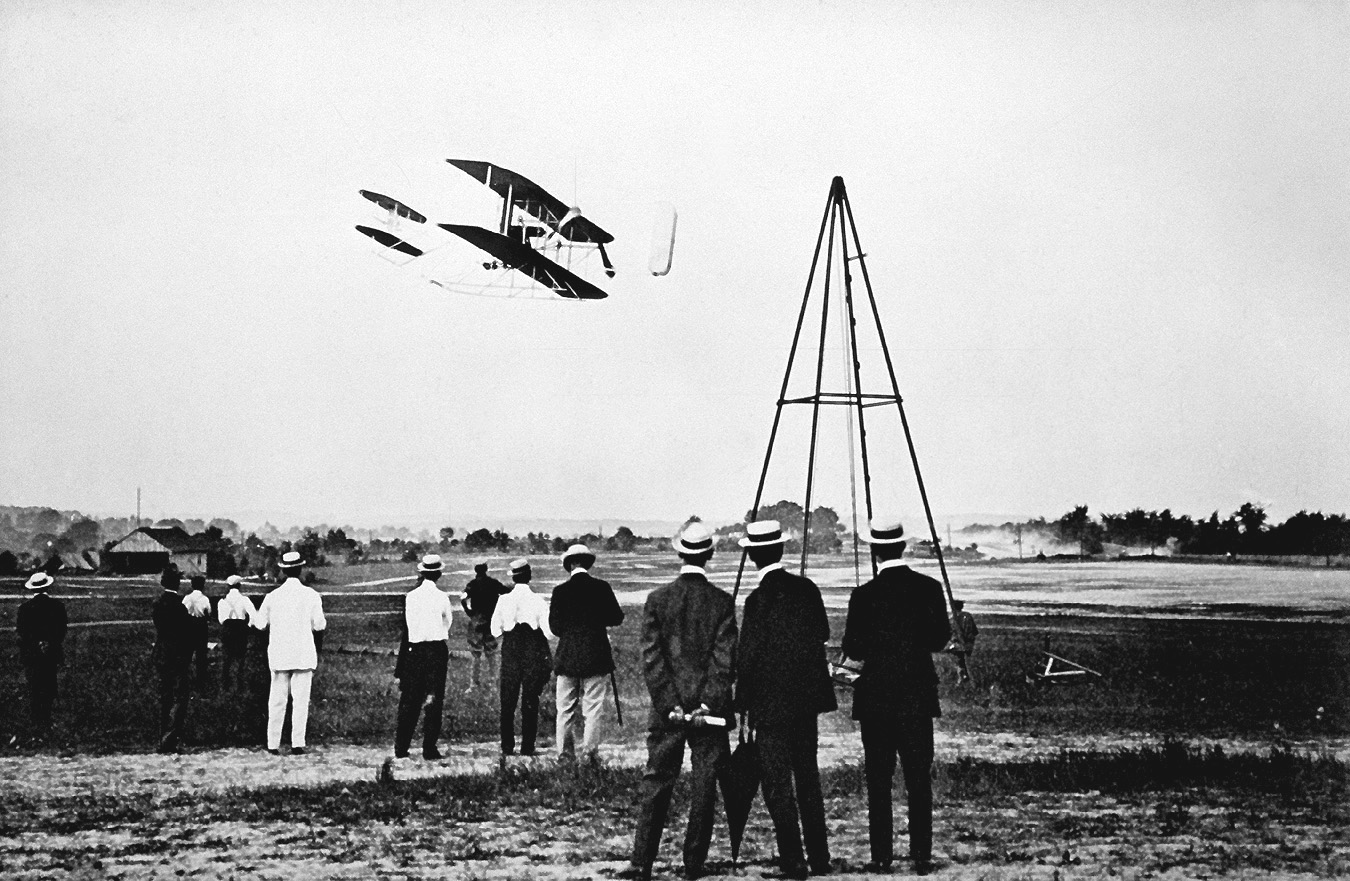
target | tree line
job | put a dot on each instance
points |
(1248, 531)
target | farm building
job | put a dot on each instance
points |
(152, 548)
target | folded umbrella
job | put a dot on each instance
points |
(739, 778)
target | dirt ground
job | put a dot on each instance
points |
(1030, 835)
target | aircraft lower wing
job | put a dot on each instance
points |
(389, 240)
(522, 258)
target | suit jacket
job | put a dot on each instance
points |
(581, 609)
(895, 622)
(41, 629)
(688, 647)
(781, 670)
(293, 615)
(173, 629)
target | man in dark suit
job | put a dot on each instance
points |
(41, 630)
(688, 660)
(173, 660)
(782, 684)
(895, 623)
(582, 609)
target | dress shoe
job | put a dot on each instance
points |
(794, 871)
(878, 867)
(273, 752)
(923, 867)
(633, 872)
(432, 755)
(298, 750)
(691, 873)
(824, 868)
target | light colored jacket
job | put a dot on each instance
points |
(292, 613)
(235, 607)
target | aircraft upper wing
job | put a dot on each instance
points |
(390, 240)
(534, 199)
(523, 258)
(390, 204)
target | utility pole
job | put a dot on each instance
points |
(1019, 541)
(138, 508)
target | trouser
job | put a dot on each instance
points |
(787, 753)
(41, 694)
(910, 738)
(525, 669)
(292, 685)
(175, 691)
(422, 685)
(581, 704)
(962, 667)
(234, 646)
(665, 754)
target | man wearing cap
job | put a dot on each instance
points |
(235, 612)
(582, 609)
(421, 675)
(688, 658)
(41, 629)
(198, 607)
(292, 614)
(895, 623)
(520, 620)
(782, 684)
(478, 601)
(172, 656)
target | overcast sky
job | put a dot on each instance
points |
(1110, 244)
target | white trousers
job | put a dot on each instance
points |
(581, 705)
(292, 685)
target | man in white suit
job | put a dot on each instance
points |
(293, 616)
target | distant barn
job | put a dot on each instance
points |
(151, 549)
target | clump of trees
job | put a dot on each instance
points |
(1246, 531)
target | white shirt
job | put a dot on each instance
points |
(889, 564)
(687, 569)
(767, 569)
(521, 606)
(293, 613)
(198, 605)
(427, 611)
(235, 607)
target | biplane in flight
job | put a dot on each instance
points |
(539, 247)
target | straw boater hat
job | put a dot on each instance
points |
(694, 539)
(885, 532)
(234, 581)
(519, 566)
(430, 563)
(762, 533)
(291, 560)
(585, 559)
(39, 581)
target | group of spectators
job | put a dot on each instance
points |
(699, 671)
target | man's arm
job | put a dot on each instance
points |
(722, 674)
(262, 618)
(655, 666)
(611, 611)
(820, 619)
(855, 630)
(941, 630)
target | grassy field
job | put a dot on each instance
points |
(1102, 779)
(1161, 675)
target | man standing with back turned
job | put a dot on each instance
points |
(426, 614)
(41, 629)
(782, 684)
(583, 608)
(688, 662)
(293, 616)
(896, 622)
